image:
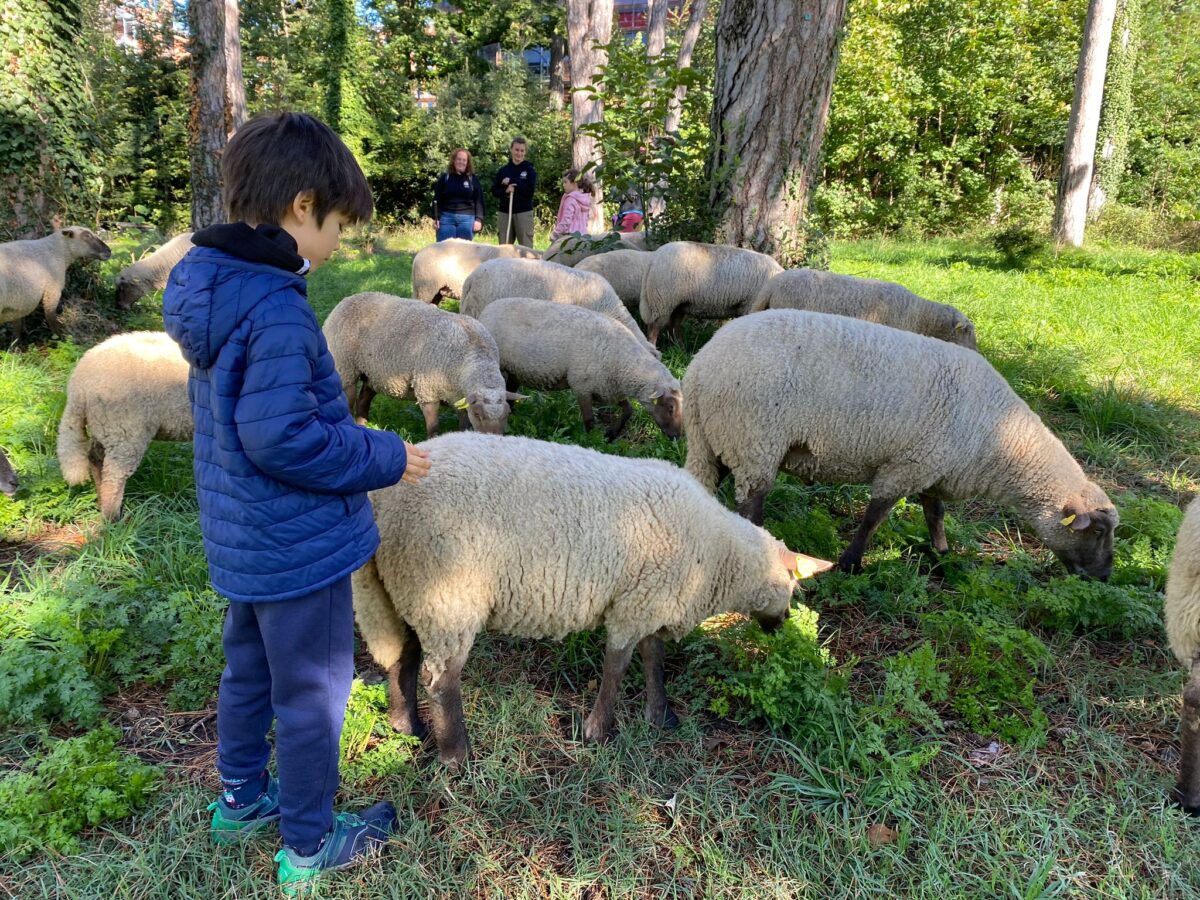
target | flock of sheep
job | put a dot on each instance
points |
(827, 377)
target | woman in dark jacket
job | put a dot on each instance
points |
(458, 199)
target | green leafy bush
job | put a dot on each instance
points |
(1145, 540)
(1094, 608)
(370, 748)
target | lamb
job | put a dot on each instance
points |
(881, 302)
(123, 393)
(1182, 614)
(572, 539)
(551, 346)
(545, 281)
(149, 274)
(407, 348)
(623, 269)
(829, 398)
(440, 269)
(34, 272)
(580, 247)
(8, 476)
(708, 281)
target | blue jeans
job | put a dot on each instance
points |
(459, 225)
(290, 661)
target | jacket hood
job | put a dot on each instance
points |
(582, 198)
(231, 270)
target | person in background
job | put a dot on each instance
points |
(458, 199)
(517, 179)
(575, 205)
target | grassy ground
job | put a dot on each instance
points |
(983, 726)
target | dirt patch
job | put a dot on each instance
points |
(183, 743)
(54, 541)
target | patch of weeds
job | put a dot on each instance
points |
(1099, 610)
(371, 749)
(1118, 411)
(888, 589)
(82, 782)
(1019, 245)
(812, 531)
(1145, 540)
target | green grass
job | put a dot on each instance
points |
(1014, 729)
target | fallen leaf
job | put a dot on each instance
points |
(879, 834)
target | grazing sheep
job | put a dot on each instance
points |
(707, 281)
(881, 302)
(407, 348)
(440, 269)
(123, 394)
(1182, 614)
(8, 476)
(534, 539)
(545, 281)
(552, 346)
(150, 273)
(623, 269)
(582, 247)
(34, 272)
(829, 398)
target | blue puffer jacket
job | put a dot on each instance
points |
(281, 468)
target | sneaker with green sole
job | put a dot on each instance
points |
(352, 838)
(231, 825)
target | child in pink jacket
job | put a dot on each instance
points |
(575, 205)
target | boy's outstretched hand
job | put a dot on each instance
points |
(418, 464)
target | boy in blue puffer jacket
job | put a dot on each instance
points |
(282, 473)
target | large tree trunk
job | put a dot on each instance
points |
(774, 77)
(588, 22)
(1074, 183)
(1116, 114)
(686, 47)
(218, 105)
(656, 27)
(558, 73)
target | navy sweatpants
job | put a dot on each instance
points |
(291, 661)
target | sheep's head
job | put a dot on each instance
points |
(963, 332)
(1081, 534)
(82, 243)
(128, 291)
(788, 569)
(665, 405)
(8, 477)
(488, 410)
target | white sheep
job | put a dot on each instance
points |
(1182, 614)
(440, 269)
(551, 346)
(829, 398)
(623, 269)
(35, 272)
(407, 348)
(544, 281)
(534, 539)
(881, 302)
(122, 394)
(570, 249)
(706, 281)
(8, 476)
(150, 273)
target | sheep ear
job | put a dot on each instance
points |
(802, 566)
(69, 232)
(513, 398)
(1076, 521)
(960, 326)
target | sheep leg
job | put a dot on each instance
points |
(585, 407)
(618, 426)
(110, 492)
(658, 709)
(752, 507)
(652, 334)
(935, 519)
(445, 704)
(96, 466)
(362, 405)
(675, 327)
(877, 511)
(50, 301)
(402, 689)
(1187, 791)
(599, 722)
(18, 328)
(430, 410)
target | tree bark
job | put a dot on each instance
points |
(558, 79)
(1116, 114)
(686, 47)
(218, 101)
(1074, 182)
(774, 78)
(656, 27)
(588, 22)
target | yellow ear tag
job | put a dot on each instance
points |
(808, 566)
(1068, 520)
(461, 404)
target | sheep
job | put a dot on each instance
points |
(8, 476)
(551, 346)
(149, 274)
(545, 281)
(123, 393)
(881, 302)
(407, 348)
(34, 272)
(440, 269)
(1182, 614)
(623, 269)
(570, 249)
(829, 398)
(535, 539)
(708, 281)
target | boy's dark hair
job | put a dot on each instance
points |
(276, 156)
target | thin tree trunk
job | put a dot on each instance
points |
(1079, 152)
(558, 80)
(656, 27)
(690, 35)
(1117, 112)
(774, 78)
(235, 84)
(588, 22)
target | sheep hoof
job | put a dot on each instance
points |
(593, 733)
(454, 759)
(416, 728)
(666, 720)
(1176, 798)
(850, 564)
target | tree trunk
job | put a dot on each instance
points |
(1074, 182)
(656, 28)
(774, 77)
(588, 22)
(218, 101)
(1117, 112)
(337, 59)
(558, 79)
(690, 35)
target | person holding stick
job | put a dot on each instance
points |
(514, 185)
